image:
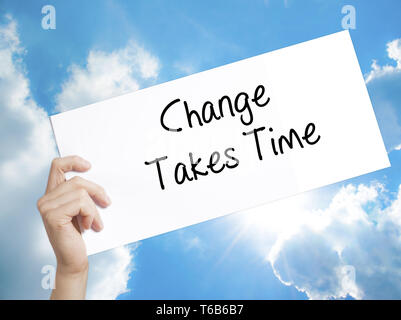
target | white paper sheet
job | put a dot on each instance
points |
(317, 82)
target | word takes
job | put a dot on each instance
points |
(278, 144)
(224, 106)
(182, 173)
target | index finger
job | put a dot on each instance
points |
(60, 166)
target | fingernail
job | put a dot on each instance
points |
(98, 226)
(108, 200)
(86, 163)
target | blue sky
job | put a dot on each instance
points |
(230, 257)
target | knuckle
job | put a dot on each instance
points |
(76, 180)
(82, 202)
(40, 204)
(55, 162)
(82, 194)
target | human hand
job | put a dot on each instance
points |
(60, 207)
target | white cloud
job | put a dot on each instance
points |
(107, 75)
(194, 243)
(351, 248)
(394, 53)
(109, 273)
(26, 143)
(26, 150)
(185, 68)
(27, 147)
(384, 85)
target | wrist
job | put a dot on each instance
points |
(73, 270)
(70, 283)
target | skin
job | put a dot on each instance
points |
(63, 203)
